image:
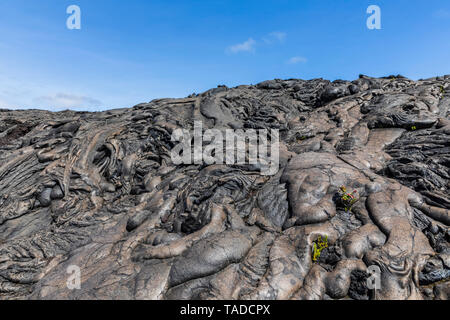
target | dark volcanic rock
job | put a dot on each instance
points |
(100, 193)
(358, 287)
(434, 271)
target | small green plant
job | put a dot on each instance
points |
(318, 246)
(348, 199)
(413, 128)
(441, 89)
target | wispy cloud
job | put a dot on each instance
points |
(19, 94)
(62, 101)
(14, 93)
(247, 46)
(5, 104)
(275, 36)
(250, 44)
(442, 13)
(297, 59)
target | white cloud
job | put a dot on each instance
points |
(247, 46)
(442, 13)
(275, 36)
(297, 59)
(5, 105)
(21, 94)
(61, 101)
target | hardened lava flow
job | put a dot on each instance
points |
(100, 191)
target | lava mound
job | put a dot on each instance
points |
(362, 183)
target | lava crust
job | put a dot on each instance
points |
(100, 191)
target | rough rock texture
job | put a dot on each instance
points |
(100, 191)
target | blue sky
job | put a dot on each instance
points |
(134, 51)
